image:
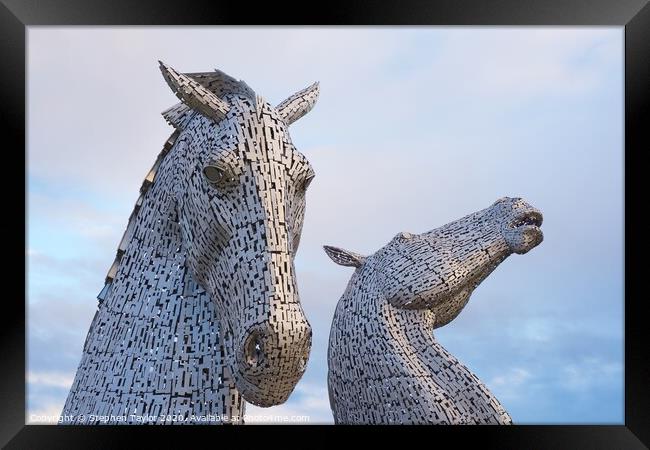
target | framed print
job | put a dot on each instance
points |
(459, 179)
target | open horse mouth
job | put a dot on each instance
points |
(524, 232)
(527, 218)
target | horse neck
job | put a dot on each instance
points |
(155, 312)
(154, 259)
(411, 339)
(408, 333)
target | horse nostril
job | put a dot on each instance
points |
(254, 349)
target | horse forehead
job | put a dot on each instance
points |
(254, 133)
(269, 142)
(258, 112)
(252, 119)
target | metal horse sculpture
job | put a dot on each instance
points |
(200, 310)
(385, 366)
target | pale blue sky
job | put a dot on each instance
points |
(415, 127)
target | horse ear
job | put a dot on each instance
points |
(298, 104)
(194, 95)
(344, 257)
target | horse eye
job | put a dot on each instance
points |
(213, 174)
(217, 175)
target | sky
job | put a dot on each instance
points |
(415, 127)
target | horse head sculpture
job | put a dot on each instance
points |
(200, 309)
(385, 366)
(240, 189)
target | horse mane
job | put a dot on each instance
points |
(179, 117)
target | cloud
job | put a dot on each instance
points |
(58, 317)
(591, 372)
(510, 384)
(113, 76)
(47, 414)
(447, 68)
(84, 214)
(523, 64)
(47, 391)
(56, 379)
(83, 270)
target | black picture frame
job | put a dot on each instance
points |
(634, 15)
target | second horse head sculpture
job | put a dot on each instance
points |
(385, 366)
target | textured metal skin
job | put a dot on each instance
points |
(385, 366)
(201, 310)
